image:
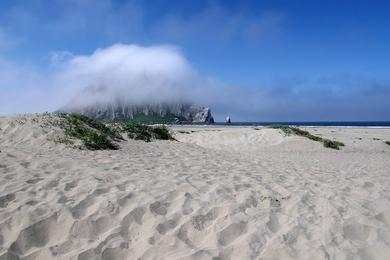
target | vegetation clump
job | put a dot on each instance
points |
(387, 142)
(288, 130)
(146, 133)
(94, 135)
(162, 133)
(332, 144)
(94, 124)
(184, 132)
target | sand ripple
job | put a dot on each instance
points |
(265, 196)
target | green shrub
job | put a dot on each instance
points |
(138, 131)
(94, 135)
(76, 118)
(162, 133)
(95, 141)
(146, 133)
(332, 144)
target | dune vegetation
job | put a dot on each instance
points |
(92, 134)
(288, 130)
(138, 131)
(95, 135)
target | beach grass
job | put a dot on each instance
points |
(93, 135)
(184, 132)
(332, 144)
(146, 133)
(162, 132)
(288, 130)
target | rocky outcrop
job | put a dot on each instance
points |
(228, 120)
(150, 113)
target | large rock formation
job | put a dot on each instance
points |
(149, 113)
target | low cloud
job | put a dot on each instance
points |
(336, 98)
(136, 74)
(129, 74)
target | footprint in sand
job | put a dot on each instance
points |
(231, 233)
(6, 199)
(81, 208)
(201, 222)
(357, 231)
(33, 181)
(187, 204)
(70, 185)
(90, 228)
(384, 217)
(273, 223)
(135, 215)
(164, 227)
(159, 208)
(35, 236)
(124, 200)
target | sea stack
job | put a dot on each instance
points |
(228, 120)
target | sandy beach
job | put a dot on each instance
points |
(215, 193)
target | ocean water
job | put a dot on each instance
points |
(312, 124)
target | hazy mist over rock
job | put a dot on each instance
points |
(124, 80)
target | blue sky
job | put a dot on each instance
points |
(309, 60)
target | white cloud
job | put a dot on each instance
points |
(136, 74)
(125, 73)
(128, 73)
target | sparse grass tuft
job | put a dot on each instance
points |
(75, 118)
(146, 133)
(95, 141)
(184, 132)
(387, 142)
(94, 135)
(162, 133)
(296, 131)
(137, 131)
(332, 144)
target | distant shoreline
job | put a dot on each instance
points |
(384, 124)
(375, 124)
(349, 124)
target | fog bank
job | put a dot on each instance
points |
(134, 74)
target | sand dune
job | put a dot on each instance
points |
(217, 193)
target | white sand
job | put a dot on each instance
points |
(219, 193)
